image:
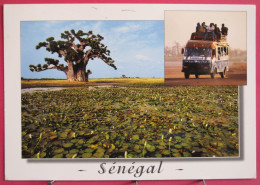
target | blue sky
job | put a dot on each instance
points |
(136, 46)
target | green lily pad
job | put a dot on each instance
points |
(58, 156)
(67, 145)
(73, 151)
(86, 155)
(58, 151)
(135, 137)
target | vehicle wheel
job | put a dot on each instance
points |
(223, 74)
(187, 75)
(197, 75)
(213, 74)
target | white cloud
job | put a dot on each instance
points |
(142, 57)
(122, 29)
(129, 27)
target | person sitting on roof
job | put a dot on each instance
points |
(224, 30)
(217, 32)
(211, 30)
(203, 27)
(198, 27)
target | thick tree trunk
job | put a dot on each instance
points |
(80, 72)
(76, 72)
(70, 73)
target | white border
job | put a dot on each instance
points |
(21, 169)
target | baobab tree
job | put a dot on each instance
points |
(76, 48)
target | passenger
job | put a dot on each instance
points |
(211, 30)
(217, 32)
(198, 27)
(203, 27)
(224, 30)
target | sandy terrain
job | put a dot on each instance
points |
(237, 75)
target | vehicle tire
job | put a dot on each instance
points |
(223, 74)
(197, 76)
(187, 75)
(212, 75)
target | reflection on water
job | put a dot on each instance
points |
(43, 89)
(37, 89)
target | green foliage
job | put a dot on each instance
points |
(144, 122)
(74, 52)
(51, 61)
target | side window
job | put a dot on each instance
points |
(225, 51)
(213, 52)
(219, 53)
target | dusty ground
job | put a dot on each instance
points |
(237, 75)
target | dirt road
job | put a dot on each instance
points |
(237, 75)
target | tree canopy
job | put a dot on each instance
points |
(76, 49)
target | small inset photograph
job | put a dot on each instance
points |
(205, 48)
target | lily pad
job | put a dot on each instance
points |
(58, 156)
(67, 145)
(86, 155)
(58, 151)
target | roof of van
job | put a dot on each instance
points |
(205, 43)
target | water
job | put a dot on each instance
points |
(42, 89)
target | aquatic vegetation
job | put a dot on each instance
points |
(131, 122)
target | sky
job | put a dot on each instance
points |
(180, 24)
(136, 46)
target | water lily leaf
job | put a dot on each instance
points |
(58, 151)
(150, 148)
(166, 152)
(42, 154)
(67, 145)
(81, 142)
(63, 135)
(186, 154)
(89, 150)
(177, 154)
(178, 146)
(73, 151)
(58, 156)
(86, 155)
(135, 137)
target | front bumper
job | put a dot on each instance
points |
(196, 67)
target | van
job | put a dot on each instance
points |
(205, 57)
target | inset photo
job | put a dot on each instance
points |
(205, 48)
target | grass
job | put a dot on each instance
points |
(147, 82)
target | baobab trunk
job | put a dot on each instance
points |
(80, 73)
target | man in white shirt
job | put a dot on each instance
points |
(211, 30)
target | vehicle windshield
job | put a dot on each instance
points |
(198, 52)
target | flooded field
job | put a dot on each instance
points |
(116, 122)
